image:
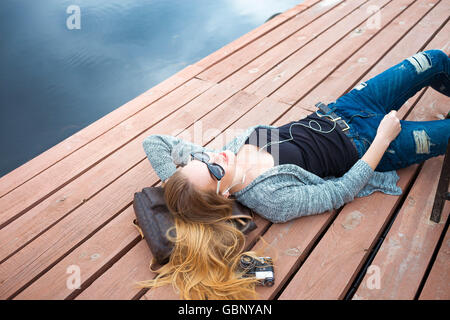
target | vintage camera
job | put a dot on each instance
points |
(261, 268)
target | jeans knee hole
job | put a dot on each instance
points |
(421, 62)
(360, 86)
(422, 141)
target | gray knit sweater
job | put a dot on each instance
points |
(283, 192)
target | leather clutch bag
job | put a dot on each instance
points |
(153, 219)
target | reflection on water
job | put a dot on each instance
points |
(55, 81)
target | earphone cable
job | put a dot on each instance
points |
(291, 138)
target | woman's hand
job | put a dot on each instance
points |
(389, 127)
(388, 130)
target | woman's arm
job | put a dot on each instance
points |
(166, 152)
(294, 200)
(375, 152)
(301, 200)
(387, 131)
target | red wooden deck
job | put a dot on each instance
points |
(70, 208)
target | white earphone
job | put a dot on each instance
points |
(291, 138)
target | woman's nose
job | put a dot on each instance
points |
(212, 157)
(217, 158)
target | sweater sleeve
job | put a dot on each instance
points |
(166, 152)
(293, 201)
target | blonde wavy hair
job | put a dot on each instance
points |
(207, 248)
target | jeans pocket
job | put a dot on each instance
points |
(362, 114)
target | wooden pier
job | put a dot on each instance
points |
(69, 211)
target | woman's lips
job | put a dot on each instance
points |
(225, 157)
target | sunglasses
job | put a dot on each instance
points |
(215, 169)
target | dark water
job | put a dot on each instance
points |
(54, 81)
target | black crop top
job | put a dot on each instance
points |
(324, 154)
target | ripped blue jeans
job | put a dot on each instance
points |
(365, 106)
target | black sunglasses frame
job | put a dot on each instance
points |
(211, 166)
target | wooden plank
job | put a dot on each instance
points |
(431, 106)
(294, 249)
(298, 42)
(437, 285)
(345, 242)
(324, 44)
(288, 263)
(69, 145)
(136, 261)
(346, 245)
(241, 106)
(267, 291)
(42, 253)
(252, 50)
(86, 218)
(410, 242)
(288, 249)
(30, 235)
(42, 216)
(256, 33)
(279, 19)
(415, 38)
(118, 281)
(15, 205)
(98, 287)
(261, 114)
(264, 112)
(405, 253)
(92, 233)
(365, 58)
(35, 190)
(92, 258)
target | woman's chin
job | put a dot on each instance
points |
(231, 158)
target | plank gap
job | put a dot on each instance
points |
(373, 250)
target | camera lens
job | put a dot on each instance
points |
(268, 282)
(246, 262)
